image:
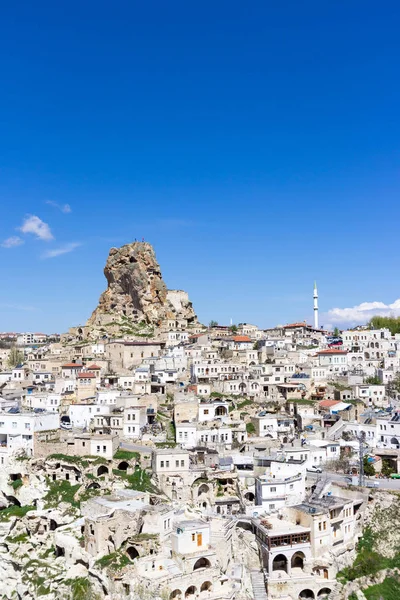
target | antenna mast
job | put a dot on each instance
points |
(361, 439)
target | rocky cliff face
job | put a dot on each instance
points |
(136, 291)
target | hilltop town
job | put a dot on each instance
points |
(147, 455)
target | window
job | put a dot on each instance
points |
(162, 464)
(177, 463)
(271, 506)
(27, 425)
(104, 449)
(324, 525)
(182, 463)
(14, 424)
(206, 411)
(167, 463)
(98, 448)
(273, 489)
(319, 526)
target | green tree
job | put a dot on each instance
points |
(369, 469)
(373, 380)
(387, 469)
(233, 329)
(213, 323)
(15, 357)
(391, 323)
(336, 332)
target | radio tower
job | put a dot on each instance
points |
(315, 306)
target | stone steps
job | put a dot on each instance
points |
(258, 585)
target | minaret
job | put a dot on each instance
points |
(315, 306)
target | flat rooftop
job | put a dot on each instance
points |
(279, 526)
(188, 525)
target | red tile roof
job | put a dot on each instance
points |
(332, 351)
(72, 366)
(328, 403)
(304, 324)
(241, 338)
(86, 375)
(94, 368)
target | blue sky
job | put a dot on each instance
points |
(256, 146)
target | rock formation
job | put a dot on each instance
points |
(136, 294)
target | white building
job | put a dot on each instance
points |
(388, 432)
(17, 431)
(82, 414)
(282, 485)
(335, 361)
(134, 419)
(190, 537)
(209, 411)
(45, 401)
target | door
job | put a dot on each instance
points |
(199, 539)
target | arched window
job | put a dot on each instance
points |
(307, 595)
(280, 563)
(132, 552)
(297, 561)
(202, 563)
(102, 470)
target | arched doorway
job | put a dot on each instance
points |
(280, 563)
(297, 561)
(191, 591)
(307, 595)
(102, 470)
(123, 466)
(221, 411)
(324, 594)
(175, 595)
(93, 486)
(132, 552)
(203, 489)
(202, 563)
(206, 586)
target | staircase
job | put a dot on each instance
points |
(335, 432)
(258, 585)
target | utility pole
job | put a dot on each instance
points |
(361, 439)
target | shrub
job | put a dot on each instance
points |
(15, 511)
(250, 428)
(126, 455)
(61, 491)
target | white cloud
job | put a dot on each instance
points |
(12, 242)
(361, 313)
(32, 224)
(65, 208)
(61, 250)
